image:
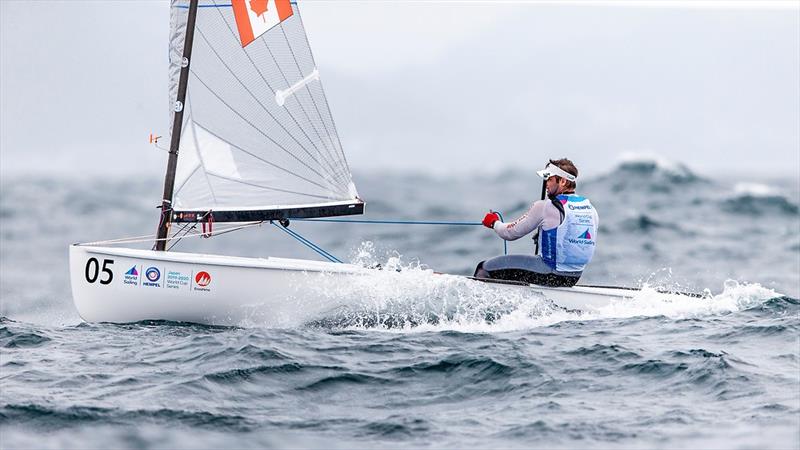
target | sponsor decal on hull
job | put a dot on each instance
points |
(132, 277)
(152, 277)
(202, 281)
(177, 280)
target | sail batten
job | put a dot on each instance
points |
(240, 148)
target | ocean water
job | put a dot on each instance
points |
(716, 372)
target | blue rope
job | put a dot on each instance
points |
(308, 243)
(393, 222)
(409, 222)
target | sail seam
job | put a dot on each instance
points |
(331, 177)
(270, 188)
(291, 50)
(335, 188)
(325, 98)
(286, 80)
(337, 171)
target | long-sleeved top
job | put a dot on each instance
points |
(543, 213)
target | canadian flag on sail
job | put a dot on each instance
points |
(256, 17)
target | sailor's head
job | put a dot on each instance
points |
(561, 175)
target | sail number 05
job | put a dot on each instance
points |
(93, 270)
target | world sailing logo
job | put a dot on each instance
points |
(131, 277)
(584, 239)
(202, 280)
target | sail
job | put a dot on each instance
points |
(257, 132)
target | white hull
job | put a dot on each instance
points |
(273, 292)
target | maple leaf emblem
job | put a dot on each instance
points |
(259, 7)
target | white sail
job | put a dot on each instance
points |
(241, 149)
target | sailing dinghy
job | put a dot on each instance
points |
(252, 140)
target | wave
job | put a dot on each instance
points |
(649, 164)
(234, 376)
(49, 418)
(644, 224)
(611, 352)
(755, 199)
(650, 173)
(15, 336)
(396, 427)
(480, 367)
(346, 380)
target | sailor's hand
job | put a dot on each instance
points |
(490, 219)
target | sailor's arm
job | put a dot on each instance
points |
(526, 223)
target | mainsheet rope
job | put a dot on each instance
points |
(292, 233)
(332, 258)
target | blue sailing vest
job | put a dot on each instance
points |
(570, 246)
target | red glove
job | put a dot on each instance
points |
(490, 219)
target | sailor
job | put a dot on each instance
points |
(566, 232)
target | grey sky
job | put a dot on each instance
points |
(433, 86)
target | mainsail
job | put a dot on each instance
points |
(258, 140)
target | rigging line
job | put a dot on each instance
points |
(150, 237)
(261, 74)
(271, 188)
(266, 136)
(283, 75)
(393, 222)
(144, 237)
(258, 157)
(185, 230)
(307, 243)
(327, 169)
(308, 89)
(406, 222)
(324, 97)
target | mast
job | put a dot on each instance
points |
(177, 124)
